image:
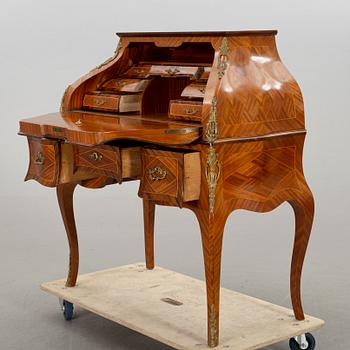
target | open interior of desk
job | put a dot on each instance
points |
(152, 82)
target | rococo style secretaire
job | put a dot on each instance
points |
(208, 121)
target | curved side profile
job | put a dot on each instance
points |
(303, 205)
(209, 121)
(65, 201)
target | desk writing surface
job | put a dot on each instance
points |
(92, 129)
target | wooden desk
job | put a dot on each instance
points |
(212, 122)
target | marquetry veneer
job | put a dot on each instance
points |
(219, 127)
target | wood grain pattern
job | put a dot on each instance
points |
(43, 161)
(177, 178)
(65, 201)
(125, 85)
(94, 129)
(185, 110)
(104, 160)
(257, 95)
(257, 176)
(259, 135)
(148, 220)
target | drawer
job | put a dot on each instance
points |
(103, 160)
(141, 71)
(125, 85)
(205, 74)
(188, 110)
(113, 102)
(172, 71)
(116, 162)
(102, 102)
(194, 90)
(170, 176)
(44, 161)
(145, 71)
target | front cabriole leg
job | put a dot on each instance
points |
(65, 201)
(212, 229)
(212, 215)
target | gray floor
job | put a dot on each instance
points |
(255, 261)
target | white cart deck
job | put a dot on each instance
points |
(171, 308)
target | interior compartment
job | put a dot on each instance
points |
(163, 73)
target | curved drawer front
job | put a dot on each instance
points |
(187, 110)
(102, 102)
(44, 161)
(170, 176)
(125, 85)
(115, 162)
(103, 160)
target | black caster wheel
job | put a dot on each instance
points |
(68, 310)
(311, 343)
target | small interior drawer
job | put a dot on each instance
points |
(44, 161)
(125, 85)
(187, 110)
(205, 74)
(113, 102)
(102, 102)
(141, 71)
(170, 71)
(194, 90)
(170, 176)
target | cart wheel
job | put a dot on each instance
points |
(294, 345)
(68, 309)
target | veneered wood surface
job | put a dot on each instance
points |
(131, 162)
(65, 200)
(256, 176)
(260, 123)
(125, 85)
(148, 220)
(100, 129)
(102, 102)
(44, 161)
(256, 95)
(104, 160)
(181, 181)
(185, 110)
(199, 33)
(171, 186)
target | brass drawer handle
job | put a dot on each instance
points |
(191, 111)
(99, 102)
(157, 173)
(39, 158)
(120, 83)
(172, 71)
(96, 157)
(139, 71)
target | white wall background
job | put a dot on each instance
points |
(45, 45)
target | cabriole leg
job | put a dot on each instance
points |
(303, 205)
(65, 201)
(212, 229)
